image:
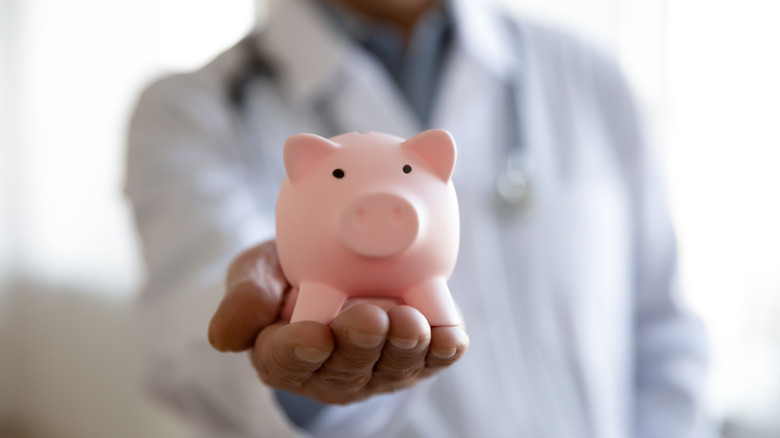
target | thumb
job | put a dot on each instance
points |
(255, 287)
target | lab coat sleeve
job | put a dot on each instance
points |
(670, 341)
(194, 212)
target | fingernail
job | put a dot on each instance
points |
(403, 343)
(364, 340)
(313, 355)
(444, 354)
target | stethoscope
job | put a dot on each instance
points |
(514, 184)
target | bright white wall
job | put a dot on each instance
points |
(7, 121)
(78, 66)
(633, 31)
(723, 156)
(70, 71)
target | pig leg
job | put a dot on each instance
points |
(432, 298)
(317, 302)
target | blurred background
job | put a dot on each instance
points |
(706, 72)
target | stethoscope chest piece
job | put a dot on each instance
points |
(514, 185)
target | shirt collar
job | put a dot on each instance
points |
(360, 29)
(310, 54)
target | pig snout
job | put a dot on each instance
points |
(379, 225)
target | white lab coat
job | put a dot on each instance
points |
(576, 325)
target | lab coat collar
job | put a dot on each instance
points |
(484, 36)
(307, 52)
(310, 55)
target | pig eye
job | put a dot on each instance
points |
(338, 173)
(407, 168)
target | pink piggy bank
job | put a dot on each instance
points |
(369, 215)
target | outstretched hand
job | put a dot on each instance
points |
(366, 350)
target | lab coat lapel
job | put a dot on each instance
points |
(479, 70)
(321, 71)
(367, 100)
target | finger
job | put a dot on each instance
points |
(385, 303)
(448, 344)
(403, 357)
(255, 286)
(359, 333)
(286, 355)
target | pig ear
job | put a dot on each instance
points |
(437, 148)
(303, 150)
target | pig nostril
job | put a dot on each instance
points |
(360, 216)
(398, 216)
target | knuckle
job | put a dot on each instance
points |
(278, 372)
(398, 375)
(264, 372)
(402, 360)
(278, 378)
(283, 360)
(345, 379)
(400, 367)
